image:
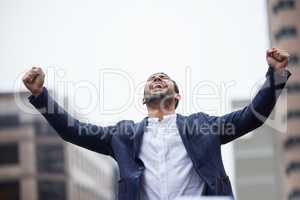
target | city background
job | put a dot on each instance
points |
(97, 56)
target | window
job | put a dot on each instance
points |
(49, 190)
(50, 158)
(9, 190)
(292, 142)
(294, 59)
(294, 194)
(9, 121)
(283, 5)
(44, 129)
(286, 32)
(293, 166)
(293, 87)
(9, 153)
(293, 114)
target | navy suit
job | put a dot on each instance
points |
(202, 136)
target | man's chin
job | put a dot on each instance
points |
(155, 96)
(159, 91)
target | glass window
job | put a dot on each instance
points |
(294, 59)
(50, 190)
(9, 153)
(293, 87)
(44, 129)
(292, 141)
(293, 114)
(7, 121)
(294, 194)
(293, 166)
(286, 32)
(9, 190)
(50, 158)
(283, 5)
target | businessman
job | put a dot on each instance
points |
(166, 155)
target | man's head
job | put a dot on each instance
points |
(160, 89)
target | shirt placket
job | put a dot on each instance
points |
(164, 175)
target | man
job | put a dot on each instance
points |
(166, 155)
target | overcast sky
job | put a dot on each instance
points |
(104, 51)
(193, 41)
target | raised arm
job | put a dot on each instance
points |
(238, 123)
(92, 137)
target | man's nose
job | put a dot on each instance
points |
(157, 79)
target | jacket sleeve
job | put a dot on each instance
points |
(92, 137)
(238, 123)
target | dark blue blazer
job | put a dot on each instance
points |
(201, 134)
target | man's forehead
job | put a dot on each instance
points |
(159, 73)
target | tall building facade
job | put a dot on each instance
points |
(257, 158)
(284, 32)
(35, 164)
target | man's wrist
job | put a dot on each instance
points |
(41, 100)
(278, 77)
(37, 92)
(278, 72)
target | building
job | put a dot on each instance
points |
(36, 164)
(284, 31)
(257, 158)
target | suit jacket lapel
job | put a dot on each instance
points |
(181, 127)
(139, 132)
(141, 127)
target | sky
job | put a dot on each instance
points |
(99, 53)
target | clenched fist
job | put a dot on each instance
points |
(34, 80)
(277, 58)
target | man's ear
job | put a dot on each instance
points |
(144, 101)
(177, 96)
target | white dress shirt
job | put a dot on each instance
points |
(169, 172)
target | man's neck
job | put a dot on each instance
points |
(156, 113)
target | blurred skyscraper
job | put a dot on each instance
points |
(257, 158)
(36, 164)
(284, 29)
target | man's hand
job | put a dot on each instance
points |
(34, 80)
(277, 58)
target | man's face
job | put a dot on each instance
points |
(159, 85)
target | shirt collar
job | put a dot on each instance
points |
(166, 118)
